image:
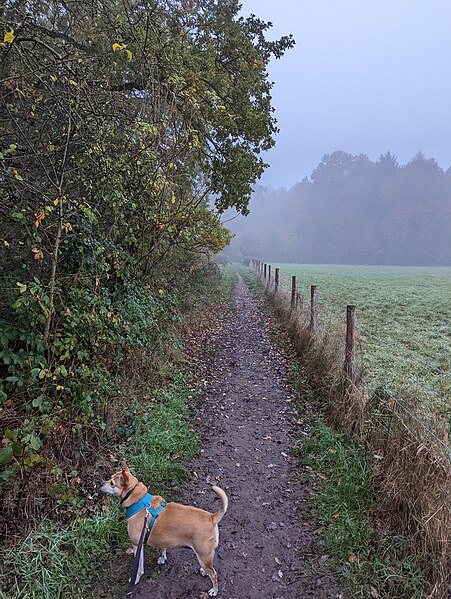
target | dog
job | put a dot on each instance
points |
(174, 525)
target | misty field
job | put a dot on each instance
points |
(403, 322)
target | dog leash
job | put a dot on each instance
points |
(135, 566)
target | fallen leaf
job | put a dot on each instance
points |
(9, 37)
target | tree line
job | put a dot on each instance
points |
(353, 210)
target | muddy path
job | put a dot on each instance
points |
(269, 545)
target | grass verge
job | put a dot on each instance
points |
(55, 562)
(344, 502)
(377, 563)
(48, 561)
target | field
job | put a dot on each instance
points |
(403, 321)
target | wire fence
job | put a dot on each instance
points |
(416, 393)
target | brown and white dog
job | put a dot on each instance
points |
(176, 525)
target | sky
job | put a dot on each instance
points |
(365, 76)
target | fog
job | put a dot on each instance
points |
(352, 210)
(364, 78)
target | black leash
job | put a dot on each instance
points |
(131, 584)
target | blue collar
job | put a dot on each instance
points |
(144, 503)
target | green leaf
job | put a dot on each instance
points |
(10, 435)
(5, 454)
(35, 442)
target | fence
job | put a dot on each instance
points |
(412, 453)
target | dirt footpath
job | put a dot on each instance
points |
(269, 546)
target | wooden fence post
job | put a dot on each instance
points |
(313, 318)
(276, 282)
(269, 275)
(350, 344)
(265, 266)
(293, 292)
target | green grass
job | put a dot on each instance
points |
(48, 561)
(53, 562)
(164, 441)
(229, 277)
(343, 501)
(403, 319)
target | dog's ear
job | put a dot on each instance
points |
(125, 474)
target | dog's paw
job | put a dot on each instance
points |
(202, 571)
(212, 593)
(162, 560)
(129, 551)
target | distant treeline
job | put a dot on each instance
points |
(353, 210)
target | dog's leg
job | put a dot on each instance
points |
(206, 567)
(163, 557)
(141, 562)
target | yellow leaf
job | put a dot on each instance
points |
(6, 243)
(173, 199)
(56, 201)
(59, 387)
(116, 47)
(171, 165)
(9, 37)
(161, 292)
(129, 54)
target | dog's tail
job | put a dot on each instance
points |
(217, 516)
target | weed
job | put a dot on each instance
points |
(46, 563)
(163, 441)
(343, 503)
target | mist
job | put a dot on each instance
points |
(363, 78)
(351, 210)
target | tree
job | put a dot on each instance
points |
(119, 121)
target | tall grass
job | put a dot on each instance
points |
(52, 562)
(343, 502)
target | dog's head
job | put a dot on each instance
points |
(120, 483)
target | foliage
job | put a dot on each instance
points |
(119, 123)
(46, 563)
(353, 210)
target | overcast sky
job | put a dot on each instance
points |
(365, 76)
